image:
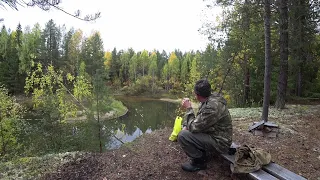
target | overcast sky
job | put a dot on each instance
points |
(140, 24)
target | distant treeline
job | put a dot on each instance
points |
(233, 64)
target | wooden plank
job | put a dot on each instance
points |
(261, 175)
(281, 172)
(270, 124)
(271, 134)
(256, 125)
(228, 157)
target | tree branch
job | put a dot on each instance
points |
(77, 15)
(46, 5)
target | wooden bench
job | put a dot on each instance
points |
(268, 172)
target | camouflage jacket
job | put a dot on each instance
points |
(212, 118)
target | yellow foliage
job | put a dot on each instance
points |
(173, 57)
(227, 97)
(154, 53)
(108, 58)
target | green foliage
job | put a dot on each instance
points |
(144, 61)
(82, 87)
(185, 68)
(9, 60)
(174, 67)
(28, 52)
(153, 68)
(143, 85)
(72, 51)
(49, 93)
(124, 69)
(56, 103)
(177, 88)
(133, 68)
(194, 75)
(93, 53)
(317, 84)
(101, 100)
(11, 125)
(51, 39)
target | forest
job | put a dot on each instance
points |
(60, 69)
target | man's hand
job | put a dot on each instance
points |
(186, 103)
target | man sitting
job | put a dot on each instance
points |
(209, 131)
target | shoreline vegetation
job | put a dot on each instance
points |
(34, 167)
(117, 111)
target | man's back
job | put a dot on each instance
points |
(220, 124)
(207, 132)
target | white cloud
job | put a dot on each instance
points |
(140, 24)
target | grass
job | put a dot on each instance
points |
(34, 167)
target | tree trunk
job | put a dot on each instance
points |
(299, 82)
(98, 115)
(153, 81)
(143, 68)
(246, 57)
(267, 33)
(301, 41)
(135, 74)
(283, 76)
(246, 82)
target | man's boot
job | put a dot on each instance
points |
(195, 165)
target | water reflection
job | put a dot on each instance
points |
(124, 137)
(144, 116)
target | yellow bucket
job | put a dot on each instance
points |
(176, 129)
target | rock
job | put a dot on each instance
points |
(203, 173)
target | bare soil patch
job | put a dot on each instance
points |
(153, 156)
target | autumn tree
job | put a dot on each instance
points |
(194, 74)
(174, 67)
(185, 68)
(153, 68)
(144, 61)
(124, 66)
(133, 68)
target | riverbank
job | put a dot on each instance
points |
(296, 148)
(153, 156)
(117, 110)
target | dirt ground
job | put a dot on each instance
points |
(153, 156)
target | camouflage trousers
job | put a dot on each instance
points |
(198, 145)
